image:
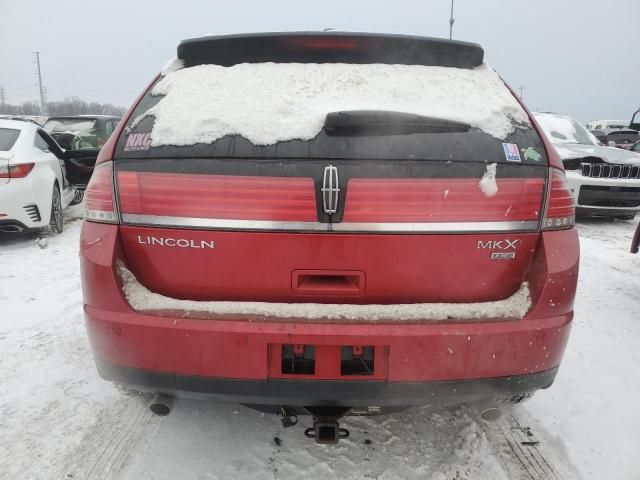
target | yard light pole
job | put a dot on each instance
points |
(451, 21)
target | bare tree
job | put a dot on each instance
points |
(68, 106)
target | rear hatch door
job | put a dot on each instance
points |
(381, 205)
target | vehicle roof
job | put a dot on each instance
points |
(615, 130)
(333, 47)
(81, 117)
(553, 114)
(19, 125)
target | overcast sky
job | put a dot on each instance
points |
(577, 57)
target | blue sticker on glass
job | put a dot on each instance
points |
(511, 152)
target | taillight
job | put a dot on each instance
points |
(98, 198)
(561, 212)
(216, 196)
(433, 200)
(16, 171)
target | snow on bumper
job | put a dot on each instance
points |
(143, 300)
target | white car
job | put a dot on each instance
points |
(33, 185)
(605, 181)
(603, 124)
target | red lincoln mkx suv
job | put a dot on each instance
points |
(330, 223)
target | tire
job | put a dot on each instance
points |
(630, 216)
(56, 221)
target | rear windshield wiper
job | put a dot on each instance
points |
(379, 122)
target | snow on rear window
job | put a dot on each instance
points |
(268, 103)
(141, 299)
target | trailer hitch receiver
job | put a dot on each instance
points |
(326, 428)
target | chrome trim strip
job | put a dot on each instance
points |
(352, 227)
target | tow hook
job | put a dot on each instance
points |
(326, 428)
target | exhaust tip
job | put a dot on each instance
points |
(161, 405)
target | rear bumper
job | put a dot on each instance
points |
(241, 360)
(289, 392)
(19, 205)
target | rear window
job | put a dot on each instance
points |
(330, 110)
(623, 137)
(8, 138)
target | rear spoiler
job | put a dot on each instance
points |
(329, 47)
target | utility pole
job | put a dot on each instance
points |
(521, 88)
(42, 104)
(451, 20)
(2, 98)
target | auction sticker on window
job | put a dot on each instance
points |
(511, 152)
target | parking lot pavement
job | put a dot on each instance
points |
(61, 421)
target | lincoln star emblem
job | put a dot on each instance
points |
(330, 190)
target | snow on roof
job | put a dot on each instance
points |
(268, 102)
(172, 65)
(141, 299)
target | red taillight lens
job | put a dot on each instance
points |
(561, 212)
(99, 195)
(16, 171)
(442, 200)
(217, 196)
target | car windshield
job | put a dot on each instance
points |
(564, 130)
(8, 137)
(73, 125)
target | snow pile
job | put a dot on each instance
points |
(171, 66)
(488, 183)
(267, 102)
(141, 299)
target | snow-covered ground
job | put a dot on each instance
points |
(58, 420)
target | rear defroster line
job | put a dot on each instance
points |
(142, 299)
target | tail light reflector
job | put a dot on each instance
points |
(561, 212)
(442, 200)
(217, 196)
(98, 198)
(20, 170)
